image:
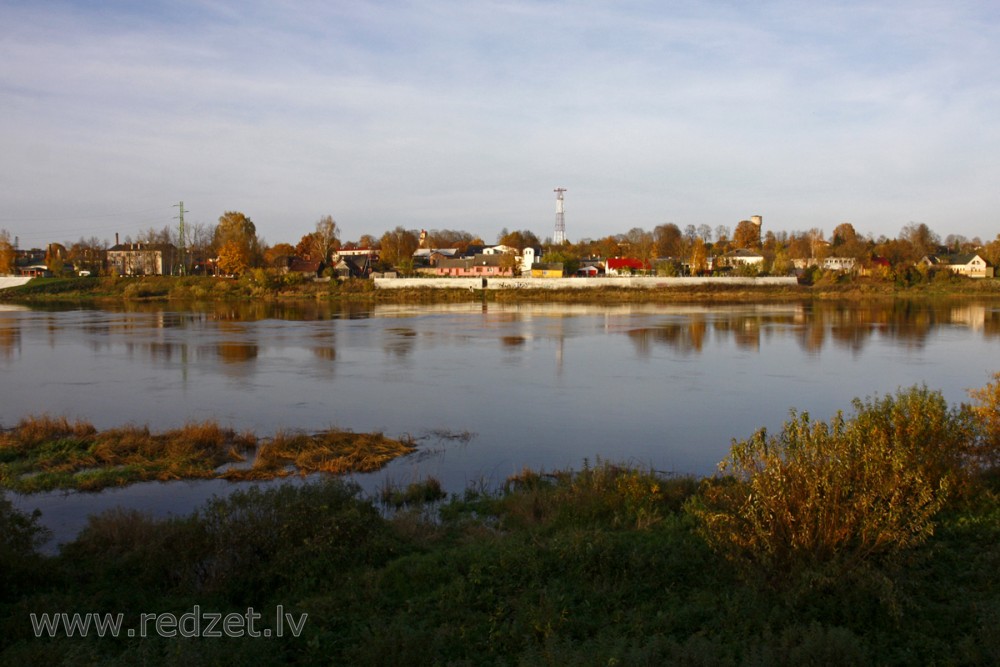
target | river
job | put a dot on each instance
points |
(544, 386)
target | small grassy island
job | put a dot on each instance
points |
(46, 453)
(871, 538)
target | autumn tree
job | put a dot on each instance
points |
(668, 240)
(7, 254)
(232, 259)
(238, 235)
(324, 239)
(747, 235)
(699, 257)
(641, 244)
(843, 233)
(520, 239)
(920, 236)
(397, 248)
(278, 255)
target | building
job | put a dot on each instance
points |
(547, 270)
(740, 257)
(142, 259)
(625, 266)
(479, 266)
(964, 264)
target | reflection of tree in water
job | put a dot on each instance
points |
(236, 352)
(325, 347)
(400, 341)
(512, 341)
(685, 338)
(10, 339)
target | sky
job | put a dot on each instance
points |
(467, 114)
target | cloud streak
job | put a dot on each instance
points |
(466, 115)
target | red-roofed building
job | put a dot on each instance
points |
(625, 266)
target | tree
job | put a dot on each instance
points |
(747, 235)
(367, 241)
(238, 232)
(55, 257)
(668, 240)
(397, 247)
(699, 257)
(324, 239)
(232, 259)
(7, 254)
(843, 233)
(277, 255)
(923, 240)
(520, 239)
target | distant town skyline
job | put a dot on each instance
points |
(466, 115)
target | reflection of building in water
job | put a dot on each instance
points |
(10, 339)
(973, 316)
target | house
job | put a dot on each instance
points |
(625, 266)
(839, 264)
(547, 270)
(305, 267)
(479, 266)
(587, 271)
(740, 257)
(142, 259)
(433, 256)
(352, 267)
(963, 264)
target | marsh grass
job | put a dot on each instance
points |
(44, 453)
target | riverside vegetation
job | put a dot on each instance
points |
(872, 538)
(260, 284)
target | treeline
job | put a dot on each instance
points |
(234, 243)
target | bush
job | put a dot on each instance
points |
(841, 492)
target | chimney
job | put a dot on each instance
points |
(116, 238)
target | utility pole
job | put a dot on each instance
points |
(181, 244)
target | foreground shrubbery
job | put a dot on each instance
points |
(871, 539)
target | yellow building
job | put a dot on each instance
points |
(553, 270)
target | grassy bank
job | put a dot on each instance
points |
(45, 453)
(873, 538)
(262, 286)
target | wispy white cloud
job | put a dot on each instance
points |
(467, 114)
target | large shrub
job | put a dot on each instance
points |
(837, 492)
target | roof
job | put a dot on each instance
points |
(125, 247)
(955, 259)
(743, 252)
(616, 263)
(304, 266)
(467, 262)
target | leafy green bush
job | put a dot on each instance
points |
(842, 492)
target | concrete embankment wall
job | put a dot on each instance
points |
(572, 283)
(12, 281)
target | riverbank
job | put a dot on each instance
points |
(93, 290)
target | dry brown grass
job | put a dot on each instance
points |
(333, 451)
(44, 453)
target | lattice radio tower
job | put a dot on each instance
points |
(181, 244)
(560, 236)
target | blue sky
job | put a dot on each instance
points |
(467, 114)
